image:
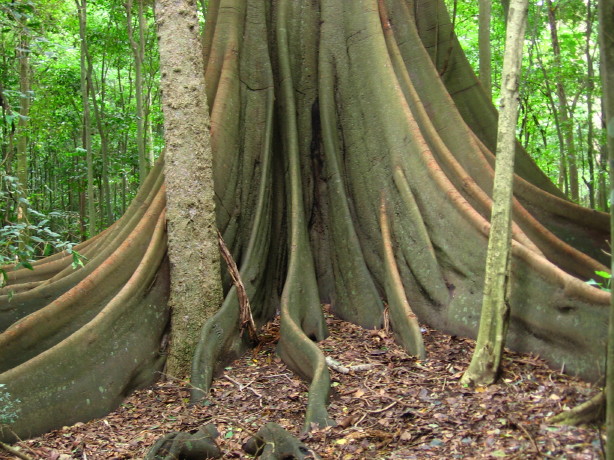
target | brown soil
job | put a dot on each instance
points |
(399, 408)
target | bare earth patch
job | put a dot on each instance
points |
(398, 408)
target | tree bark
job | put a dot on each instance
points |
(196, 290)
(494, 320)
(484, 45)
(606, 43)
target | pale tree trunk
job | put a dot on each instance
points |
(138, 52)
(87, 134)
(566, 120)
(196, 289)
(494, 319)
(484, 46)
(22, 126)
(606, 35)
(590, 136)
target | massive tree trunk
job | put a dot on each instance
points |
(352, 164)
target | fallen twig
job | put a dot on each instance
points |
(241, 386)
(337, 366)
(377, 411)
(16, 452)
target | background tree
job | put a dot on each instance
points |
(22, 127)
(137, 44)
(484, 45)
(57, 171)
(86, 88)
(540, 129)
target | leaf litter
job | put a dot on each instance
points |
(386, 405)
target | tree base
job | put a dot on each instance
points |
(590, 411)
(273, 442)
(186, 446)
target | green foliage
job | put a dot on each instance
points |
(9, 407)
(23, 242)
(57, 163)
(605, 285)
(537, 127)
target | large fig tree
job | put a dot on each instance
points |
(353, 165)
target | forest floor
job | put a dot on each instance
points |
(398, 408)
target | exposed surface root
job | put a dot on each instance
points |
(400, 408)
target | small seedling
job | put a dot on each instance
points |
(604, 286)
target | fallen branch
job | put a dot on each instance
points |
(337, 366)
(15, 452)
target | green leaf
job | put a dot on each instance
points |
(77, 260)
(605, 275)
(25, 264)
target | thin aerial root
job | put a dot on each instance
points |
(246, 318)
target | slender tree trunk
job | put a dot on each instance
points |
(562, 182)
(590, 150)
(484, 46)
(138, 52)
(492, 332)
(87, 135)
(149, 147)
(565, 116)
(22, 128)
(99, 112)
(196, 290)
(606, 36)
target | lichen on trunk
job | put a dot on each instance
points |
(196, 284)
